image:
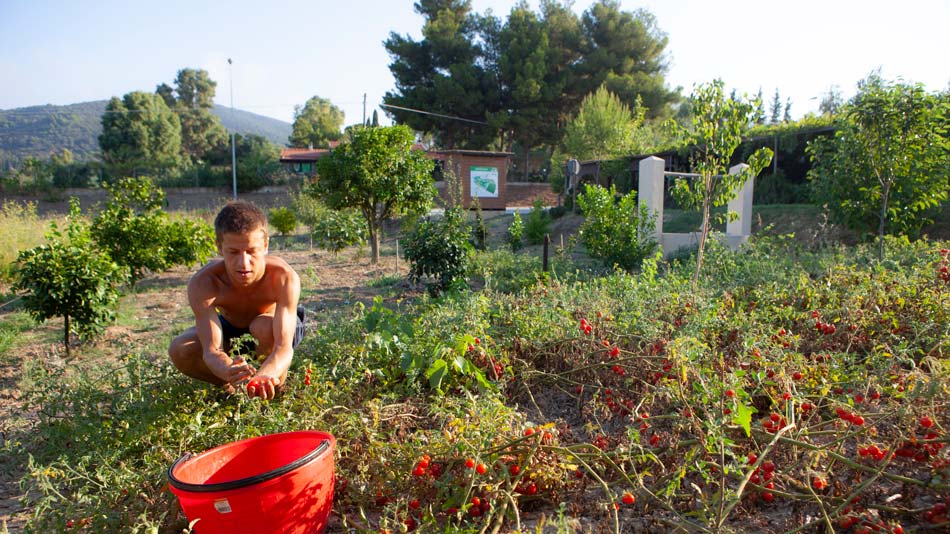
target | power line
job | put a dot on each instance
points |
(433, 114)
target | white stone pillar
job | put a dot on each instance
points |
(741, 204)
(650, 191)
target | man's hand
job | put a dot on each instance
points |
(231, 371)
(263, 386)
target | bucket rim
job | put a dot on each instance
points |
(176, 483)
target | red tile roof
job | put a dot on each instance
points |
(290, 155)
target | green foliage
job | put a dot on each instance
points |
(201, 130)
(717, 125)
(338, 229)
(438, 251)
(886, 167)
(377, 172)
(283, 219)
(514, 379)
(604, 127)
(526, 74)
(69, 277)
(618, 232)
(538, 223)
(316, 124)
(190, 242)
(38, 131)
(258, 162)
(134, 230)
(140, 133)
(515, 231)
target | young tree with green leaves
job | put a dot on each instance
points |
(619, 233)
(316, 124)
(377, 171)
(135, 231)
(140, 132)
(714, 134)
(887, 165)
(69, 277)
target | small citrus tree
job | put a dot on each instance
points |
(714, 134)
(619, 233)
(283, 219)
(376, 171)
(136, 233)
(69, 277)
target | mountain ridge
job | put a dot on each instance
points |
(40, 130)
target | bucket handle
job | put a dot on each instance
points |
(242, 482)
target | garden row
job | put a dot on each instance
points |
(789, 390)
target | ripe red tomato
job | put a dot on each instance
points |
(481, 469)
(926, 421)
(514, 469)
(470, 463)
(628, 498)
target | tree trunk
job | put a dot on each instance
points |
(703, 232)
(66, 335)
(374, 230)
(885, 193)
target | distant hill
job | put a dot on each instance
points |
(40, 130)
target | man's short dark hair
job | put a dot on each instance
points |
(239, 217)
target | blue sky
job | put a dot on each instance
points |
(61, 52)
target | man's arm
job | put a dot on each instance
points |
(277, 363)
(201, 297)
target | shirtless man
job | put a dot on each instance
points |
(246, 291)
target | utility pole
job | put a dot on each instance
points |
(364, 109)
(233, 150)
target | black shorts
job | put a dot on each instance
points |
(229, 331)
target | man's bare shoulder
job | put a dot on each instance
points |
(207, 279)
(278, 267)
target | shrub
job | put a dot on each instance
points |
(619, 233)
(515, 231)
(131, 228)
(190, 242)
(538, 224)
(69, 277)
(136, 234)
(439, 250)
(338, 229)
(283, 219)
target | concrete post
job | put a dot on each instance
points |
(741, 204)
(650, 191)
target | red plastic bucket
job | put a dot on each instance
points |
(274, 483)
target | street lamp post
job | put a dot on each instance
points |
(233, 150)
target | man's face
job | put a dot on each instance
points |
(244, 256)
